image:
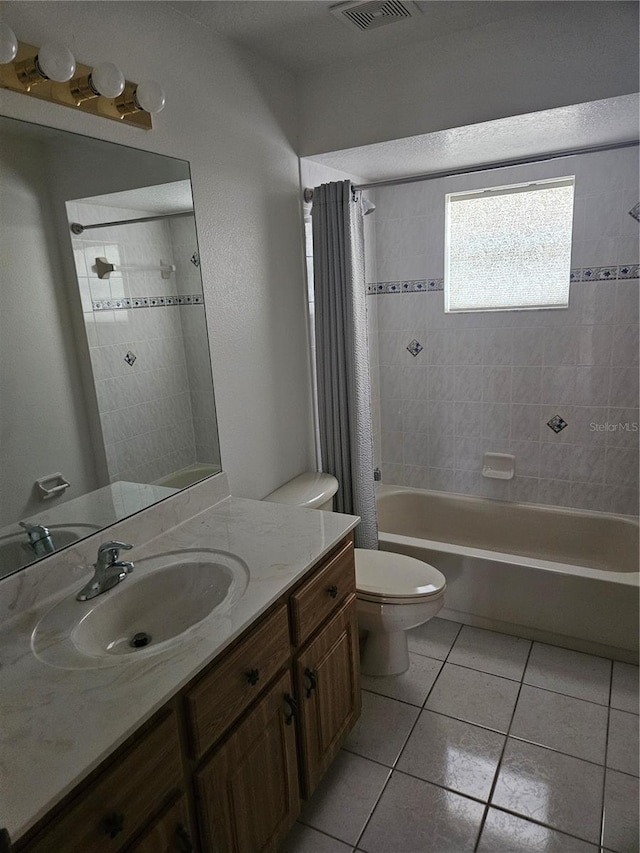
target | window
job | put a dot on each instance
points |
(509, 248)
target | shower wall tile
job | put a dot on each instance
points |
(490, 381)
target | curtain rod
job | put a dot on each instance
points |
(487, 167)
(77, 228)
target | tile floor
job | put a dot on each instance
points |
(489, 743)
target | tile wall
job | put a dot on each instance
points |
(147, 342)
(492, 381)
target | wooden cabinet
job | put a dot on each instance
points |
(247, 792)
(328, 689)
(239, 746)
(223, 693)
(113, 809)
(169, 833)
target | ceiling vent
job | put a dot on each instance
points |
(373, 13)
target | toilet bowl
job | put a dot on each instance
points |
(394, 592)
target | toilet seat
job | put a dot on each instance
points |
(389, 578)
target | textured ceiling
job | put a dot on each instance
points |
(302, 34)
(596, 123)
(174, 197)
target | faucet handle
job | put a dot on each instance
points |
(109, 552)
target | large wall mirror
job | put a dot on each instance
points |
(106, 394)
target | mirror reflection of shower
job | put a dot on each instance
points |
(137, 266)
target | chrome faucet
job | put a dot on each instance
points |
(110, 570)
(40, 540)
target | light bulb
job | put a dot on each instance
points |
(56, 62)
(107, 79)
(149, 96)
(8, 44)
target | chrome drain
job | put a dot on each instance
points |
(140, 640)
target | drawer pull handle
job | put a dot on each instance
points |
(293, 705)
(333, 591)
(311, 676)
(183, 842)
(113, 824)
(253, 676)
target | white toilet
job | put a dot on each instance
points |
(394, 592)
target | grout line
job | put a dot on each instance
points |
(499, 764)
(606, 755)
(393, 770)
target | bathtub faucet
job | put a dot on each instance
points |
(40, 540)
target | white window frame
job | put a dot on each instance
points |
(530, 186)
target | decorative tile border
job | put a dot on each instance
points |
(415, 286)
(146, 302)
(578, 274)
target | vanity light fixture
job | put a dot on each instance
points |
(8, 44)
(105, 79)
(50, 73)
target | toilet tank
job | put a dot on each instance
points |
(312, 489)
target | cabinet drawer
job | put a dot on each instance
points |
(323, 593)
(225, 691)
(118, 804)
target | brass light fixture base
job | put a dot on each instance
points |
(18, 76)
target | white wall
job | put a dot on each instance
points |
(233, 117)
(562, 53)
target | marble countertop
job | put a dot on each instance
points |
(57, 724)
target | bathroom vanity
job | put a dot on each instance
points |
(213, 743)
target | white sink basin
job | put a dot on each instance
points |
(152, 610)
(15, 551)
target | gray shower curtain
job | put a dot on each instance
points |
(344, 389)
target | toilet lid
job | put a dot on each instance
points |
(389, 575)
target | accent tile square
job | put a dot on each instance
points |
(345, 797)
(572, 673)
(560, 722)
(557, 423)
(434, 638)
(506, 833)
(489, 651)
(413, 815)
(382, 729)
(476, 697)
(558, 790)
(453, 754)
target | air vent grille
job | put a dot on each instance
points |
(372, 14)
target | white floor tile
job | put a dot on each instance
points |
(573, 673)
(434, 638)
(416, 817)
(304, 839)
(623, 748)
(621, 813)
(488, 651)
(412, 686)
(382, 729)
(345, 798)
(453, 754)
(506, 833)
(558, 790)
(624, 687)
(560, 722)
(476, 697)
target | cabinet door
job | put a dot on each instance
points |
(247, 792)
(170, 833)
(328, 689)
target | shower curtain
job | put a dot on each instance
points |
(344, 389)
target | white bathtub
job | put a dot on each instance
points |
(562, 576)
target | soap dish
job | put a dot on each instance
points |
(498, 466)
